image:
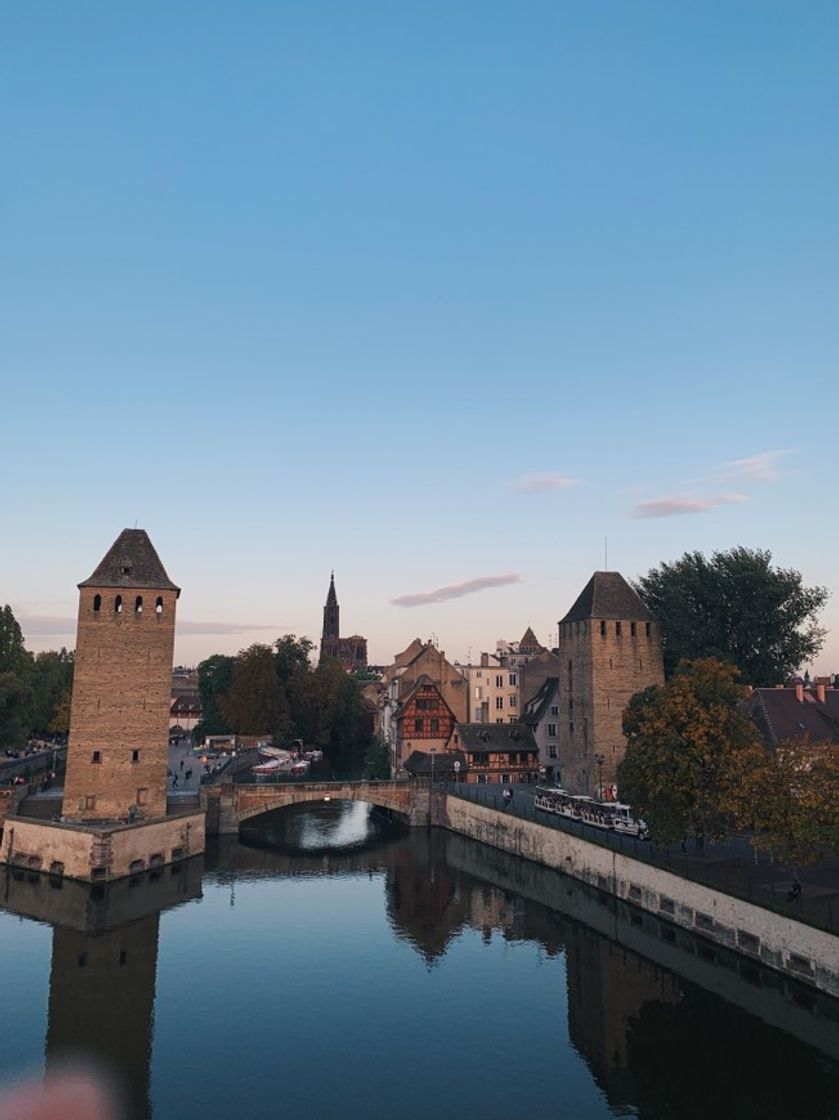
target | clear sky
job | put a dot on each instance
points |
(427, 291)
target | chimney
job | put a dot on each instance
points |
(799, 693)
(484, 660)
(820, 693)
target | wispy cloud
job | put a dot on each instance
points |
(455, 590)
(756, 468)
(676, 507)
(542, 483)
(43, 625)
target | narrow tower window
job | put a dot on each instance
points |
(649, 629)
(618, 629)
(632, 629)
(138, 605)
(97, 604)
(158, 606)
(602, 629)
(118, 605)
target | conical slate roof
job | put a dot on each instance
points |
(131, 561)
(608, 595)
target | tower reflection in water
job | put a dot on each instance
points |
(667, 1025)
(104, 965)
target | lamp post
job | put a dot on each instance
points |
(456, 765)
(600, 759)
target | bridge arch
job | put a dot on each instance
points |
(252, 801)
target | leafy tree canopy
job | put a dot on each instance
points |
(736, 607)
(683, 740)
(788, 796)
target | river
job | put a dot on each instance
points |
(323, 966)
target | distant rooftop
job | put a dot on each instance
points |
(131, 561)
(608, 595)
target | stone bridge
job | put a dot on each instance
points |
(229, 804)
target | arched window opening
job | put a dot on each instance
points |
(158, 606)
(118, 605)
(138, 605)
(97, 604)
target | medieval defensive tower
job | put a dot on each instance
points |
(119, 718)
(610, 648)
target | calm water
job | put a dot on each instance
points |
(409, 976)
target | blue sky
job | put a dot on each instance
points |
(426, 292)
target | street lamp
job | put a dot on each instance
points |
(600, 759)
(457, 770)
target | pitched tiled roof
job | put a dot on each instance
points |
(482, 737)
(608, 595)
(781, 715)
(419, 762)
(536, 707)
(131, 561)
(529, 643)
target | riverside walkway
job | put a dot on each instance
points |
(733, 866)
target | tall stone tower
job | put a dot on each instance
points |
(119, 717)
(330, 637)
(610, 648)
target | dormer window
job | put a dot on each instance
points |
(125, 569)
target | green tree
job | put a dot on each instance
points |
(292, 656)
(16, 698)
(51, 680)
(215, 678)
(735, 607)
(788, 797)
(683, 743)
(255, 704)
(377, 763)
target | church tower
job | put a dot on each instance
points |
(330, 637)
(118, 752)
(609, 648)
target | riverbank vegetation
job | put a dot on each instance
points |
(34, 688)
(696, 766)
(275, 690)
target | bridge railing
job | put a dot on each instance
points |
(331, 778)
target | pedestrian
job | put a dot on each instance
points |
(174, 781)
(182, 764)
(189, 774)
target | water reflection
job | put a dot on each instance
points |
(643, 1004)
(103, 968)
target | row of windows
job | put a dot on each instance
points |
(419, 725)
(96, 756)
(513, 758)
(499, 702)
(574, 628)
(138, 604)
(88, 802)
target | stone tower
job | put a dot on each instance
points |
(119, 717)
(330, 637)
(610, 648)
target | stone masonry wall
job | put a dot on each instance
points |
(808, 954)
(121, 700)
(606, 670)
